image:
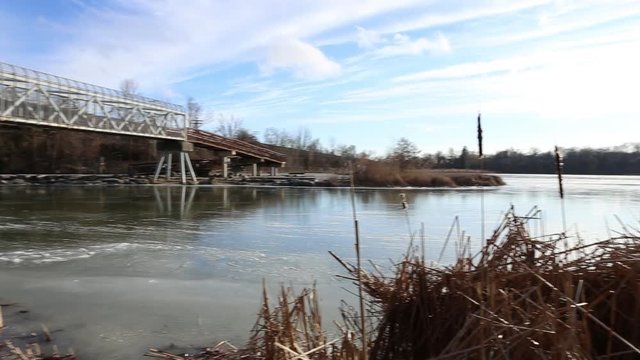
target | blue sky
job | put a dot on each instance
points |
(359, 72)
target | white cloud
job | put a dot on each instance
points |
(403, 45)
(304, 60)
(367, 39)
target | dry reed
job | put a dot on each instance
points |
(381, 174)
(520, 297)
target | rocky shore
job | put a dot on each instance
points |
(72, 179)
(426, 179)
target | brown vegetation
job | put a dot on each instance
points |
(385, 174)
(518, 298)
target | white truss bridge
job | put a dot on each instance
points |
(37, 98)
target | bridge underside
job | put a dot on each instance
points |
(233, 153)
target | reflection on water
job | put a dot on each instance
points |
(126, 267)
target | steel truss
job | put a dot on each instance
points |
(32, 97)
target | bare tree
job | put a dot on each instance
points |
(194, 113)
(278, 137)
(303, 139)
(405, 153)
(228, 126)
(129, 87)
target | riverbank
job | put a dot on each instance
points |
(73, 179)
(409, 178)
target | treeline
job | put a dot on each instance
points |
(25, 149)
(306, 153)
(585, 161)
(576, 161)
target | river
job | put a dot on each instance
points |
(115, 270)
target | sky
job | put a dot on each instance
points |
(363, 73)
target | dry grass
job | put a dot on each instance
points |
(518, 298)
(380, 174)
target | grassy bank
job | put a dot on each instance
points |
(380, 174)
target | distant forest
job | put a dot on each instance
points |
(576, 161)
(621, 160)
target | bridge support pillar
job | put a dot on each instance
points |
(225, 166)
(226, 162)
(182, 149)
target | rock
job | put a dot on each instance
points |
(295, 182)
(112, 181)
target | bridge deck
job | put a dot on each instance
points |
(207, 139)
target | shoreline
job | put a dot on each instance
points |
(437, 180)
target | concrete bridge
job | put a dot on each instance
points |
(38, 99)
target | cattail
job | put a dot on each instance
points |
(479, 137)
(559, 165)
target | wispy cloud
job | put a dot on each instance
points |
(401, 44)
(472, 69)
(565, 19)
(163, 41)
(382, 45)
(306, 61)
(457, 12)
(367, 39)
